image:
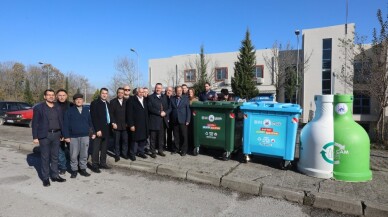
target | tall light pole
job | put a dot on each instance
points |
(137, 67)
(48, 74)
(297, 65)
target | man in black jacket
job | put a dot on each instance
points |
(117, 116)
(99, 111)
(47, 124)
(137, 121)
(158, 108)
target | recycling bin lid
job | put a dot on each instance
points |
(271, 106)
(216, 104)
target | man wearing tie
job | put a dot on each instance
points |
(99, 111)
(158, 108)
(180, 119)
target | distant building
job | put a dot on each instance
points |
(326, 61)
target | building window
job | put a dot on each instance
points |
(190, 75)
(361, 103)
(221, 73)
(259, 71)
(361, 72)
(326, 65)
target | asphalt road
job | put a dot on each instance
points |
(119, 192)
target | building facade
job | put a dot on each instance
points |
(320, 75)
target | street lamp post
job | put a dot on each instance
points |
(297, 65)
(137, 67)
(48, 74)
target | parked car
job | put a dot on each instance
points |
(7, 106)
(22, 117)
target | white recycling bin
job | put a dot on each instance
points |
(317, 140)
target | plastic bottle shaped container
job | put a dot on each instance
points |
(316, 140)
(351, 144)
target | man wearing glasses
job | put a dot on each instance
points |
(127, 91)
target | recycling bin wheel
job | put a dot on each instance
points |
(196, 151)
(226, 156)
(244, 158)
(285, 164)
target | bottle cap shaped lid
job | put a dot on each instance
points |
(324, 98)
(343, 98)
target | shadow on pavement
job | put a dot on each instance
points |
(33, 159)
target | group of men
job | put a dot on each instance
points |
(136, 122)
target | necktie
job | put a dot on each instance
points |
(107, 113)
(178, 100)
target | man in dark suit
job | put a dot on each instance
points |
(47, 123)
(137, 122)
(99, 111)
(158, 108)
(180, 119)
(169, 144)
(117, 116)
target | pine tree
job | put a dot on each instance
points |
(28, 94)
(243, 82)
(78, 90)
(96, 94)
(199, 85)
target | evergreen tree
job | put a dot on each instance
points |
(28, 94)
(244, 82)
(202, 78)
(78, 90)
(96, 94)
(67, 84)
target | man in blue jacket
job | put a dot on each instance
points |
(77, 127)
(47, 124)
(180, 119)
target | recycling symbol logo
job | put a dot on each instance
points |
(327, 152)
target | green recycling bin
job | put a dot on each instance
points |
(217, 125)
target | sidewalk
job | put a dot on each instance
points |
(262, 177)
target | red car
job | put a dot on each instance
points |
(23, 117)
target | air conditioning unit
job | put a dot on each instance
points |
(259, 80)
(226, 81)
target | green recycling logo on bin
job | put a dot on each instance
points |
(327, 152)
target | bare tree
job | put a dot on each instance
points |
(369, 64)
(126, 74)
(282, 63)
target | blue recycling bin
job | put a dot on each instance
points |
(270, 129)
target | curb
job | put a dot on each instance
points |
(333, 202)
(338, 203)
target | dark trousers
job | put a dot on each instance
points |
(121, 137)
(169, 144)
(62, 161)
(49, 148)
(157, 139)
(180, 137)
(99, 144)
(137, 147)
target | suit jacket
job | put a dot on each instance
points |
(40, 123)
(180, 114)
(117, 113)
(137, 116)
(99, 120)
(155, 106)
